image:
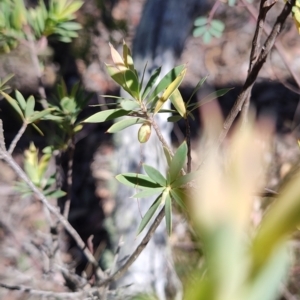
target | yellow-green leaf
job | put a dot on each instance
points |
(178, 103)
(169, 91)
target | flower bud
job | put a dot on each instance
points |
(144, 132)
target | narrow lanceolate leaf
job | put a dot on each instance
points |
(179, 196)
(149, 214)
(182, 180)
(149, 192)
(37, 129)
(29, 107)
(151, 83)
(174, 119)
(128, 61)
(178, 103)
(13, 103)
(209, 98)
(117, 59)
(166, 81)
(21, 100)
(124, 124)
(169, 91)
(155, 175)
(167, 155)
(38, 115)
(129, 105)
(168, 213)
(177, 162)
(106, 115)
(132, 83)
(137, 180)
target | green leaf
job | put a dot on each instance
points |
(135, 180)
(182, 180)
(37, 129)
(200, 21)
(155, 175)
(21, 100)
(124, 124)
(177, 162)
(55, 194)
(127, 57)
(129, 105)
(168, 213)
(215, 32)
(166, 81)
(206, 37)
(148, 192)
(199, 31)
(117, 75)
(151, 82)
(132, 83)
(174, 118)
(167, 155)
(209, 98)
(178, 103)
(29, 107)
(39, 115)
(13, 103)
(106, 115)
(179, 196)
(70, 26)
(169, 90)
(149, 214)
(217, 25)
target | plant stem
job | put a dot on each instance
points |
(17, 138)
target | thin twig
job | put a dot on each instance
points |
(122, 270)
(17, 138)
(252, 76)
(31, 291)
(160, 137)
(188, 143)
(10, 161)
(265, 6)
(2, 141)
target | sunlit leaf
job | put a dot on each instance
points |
(29, 107)
(128, 61)
(148, 192)
(21, 100)
(177, 162)
(117, 59)
(198, 86)
(178, 103)
(166, 81)
(129, 105)
(169, 91)
(132, 83)
(155, 175)
(106, 115)
(120, 125)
